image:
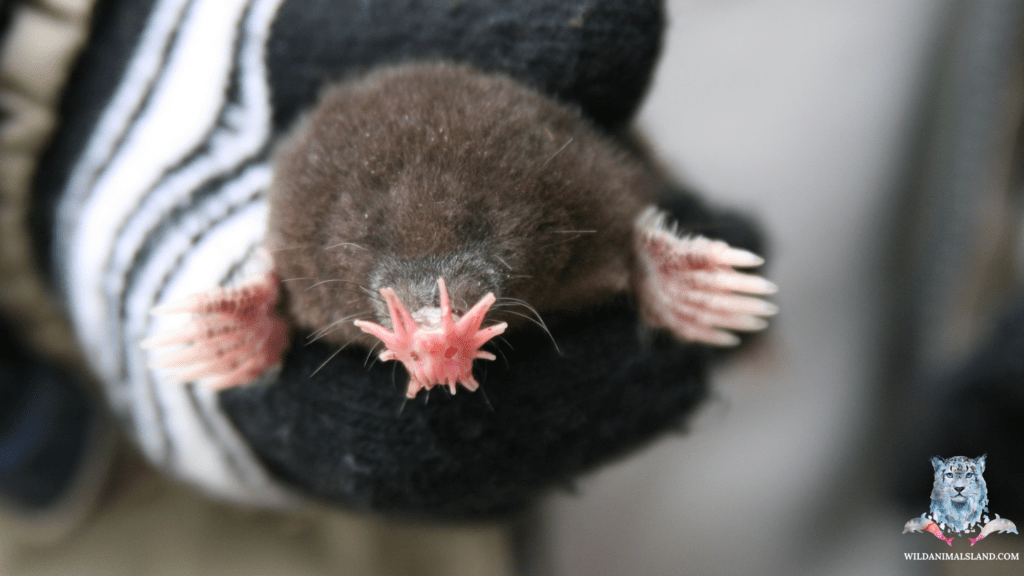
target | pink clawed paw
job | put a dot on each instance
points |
(689, 285)
(441, 354)
(232, 338)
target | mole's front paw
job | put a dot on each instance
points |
(688, 284)
(233, 337)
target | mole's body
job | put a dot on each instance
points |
(425, 172)
(423, 176)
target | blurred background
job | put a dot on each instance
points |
(873, 141)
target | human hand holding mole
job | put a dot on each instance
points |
(417, 203)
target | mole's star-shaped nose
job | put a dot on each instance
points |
(441, 354)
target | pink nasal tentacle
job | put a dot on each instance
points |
(435, 355)
(487, 333)
(401, 321)
(472, 320)
(376, 330)
(447, 323)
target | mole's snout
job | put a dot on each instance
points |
(436, 348)
(468, 273)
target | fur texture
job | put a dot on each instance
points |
(959, 493)
(436, 170)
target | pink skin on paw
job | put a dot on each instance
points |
(234, 335)
(441, 354)
(688, 284)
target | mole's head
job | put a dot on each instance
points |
(430, 171)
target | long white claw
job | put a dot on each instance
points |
(745, 322)
(734, 281)
(688, 284)
(163, 340)
(194, 303)
(207, 351)
(740, 258)
(741, 305)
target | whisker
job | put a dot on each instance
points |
(328, 282)
(505, 302)
(321, 331)
(578, 235)
(350, 284)
(518, 301)
(486, 399)
(376, 358)
(370, 293)
(559, 151)
(566, 241)
(330, 358)
(373, 296)
(502, 352)
(298, 278)
(539, 322)
(503, 262)
(507, 343)
(352, 244)
(327, 329)
(368, 354)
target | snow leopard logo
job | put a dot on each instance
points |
(959, 498)
(959, 493)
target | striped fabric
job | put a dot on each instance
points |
(168, 199)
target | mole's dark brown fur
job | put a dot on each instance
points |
(434, 170)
